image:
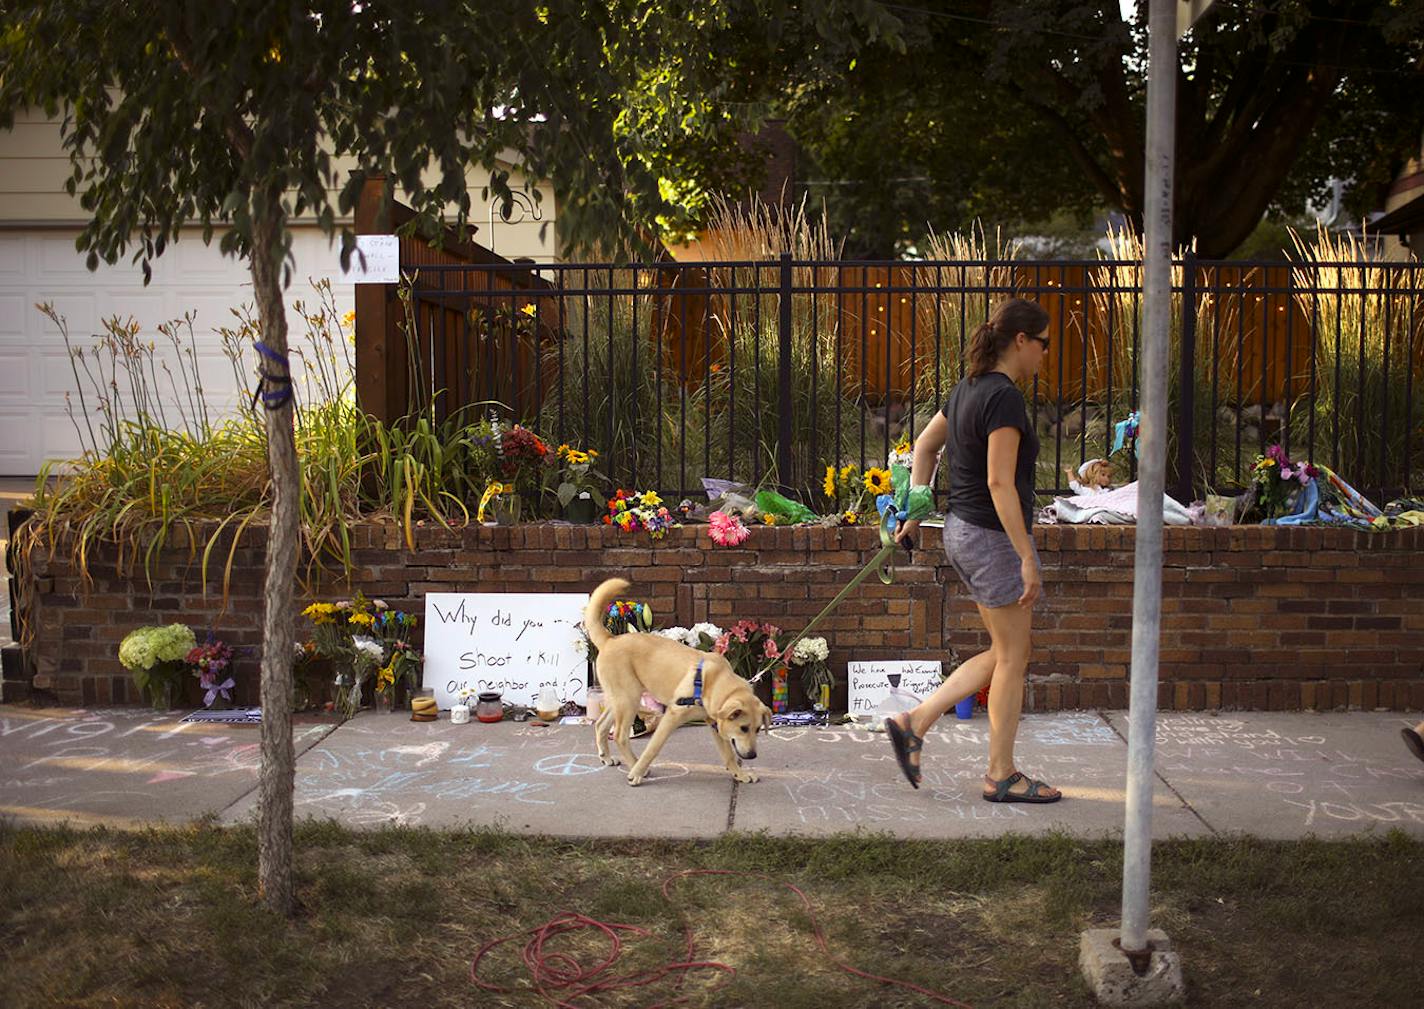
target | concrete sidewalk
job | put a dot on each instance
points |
(1272, 775)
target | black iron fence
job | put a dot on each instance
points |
(767, 372)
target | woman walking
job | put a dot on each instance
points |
(992, 456)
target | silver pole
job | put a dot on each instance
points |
(1152, 442)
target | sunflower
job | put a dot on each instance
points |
(830, 485)
(877, 481)
(850, 518)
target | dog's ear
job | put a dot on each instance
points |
(765, 716)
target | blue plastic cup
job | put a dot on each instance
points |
(965, 708)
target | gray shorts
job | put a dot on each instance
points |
(986, 562)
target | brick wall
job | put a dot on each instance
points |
(1253, 617)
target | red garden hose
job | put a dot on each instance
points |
(553, 972)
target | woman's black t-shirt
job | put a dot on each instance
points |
(975, 409)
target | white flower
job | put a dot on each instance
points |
(369, 647)
(809, 650)
(581, 645)
(675, 633)
(697, 630)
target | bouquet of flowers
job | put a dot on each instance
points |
(402, 661)
(522, 454)
(345, 633)
(702, 636)
(577, 473)
(903, 454)
(852, 493)
(809, 655)
(156, 657)
(632, 511)
(210, 662)
(726, 530)
(748, 645)
(1278, 480)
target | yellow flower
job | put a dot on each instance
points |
(902, 446)
(592, 453)
(563, 450)
(1267, 462)
(349, 319)
(385, 677)
(769, 519)
(877, 481)
(850, 518)
(576, 457)
(364, 619)
(528, 310)
(650, 499)
(830, 487)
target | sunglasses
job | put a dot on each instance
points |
(1041, 339)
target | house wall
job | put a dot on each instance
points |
(34, 166)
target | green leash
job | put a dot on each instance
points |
(882, 564)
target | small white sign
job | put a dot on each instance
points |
(869, 683)
(382, 254)
(514, 642)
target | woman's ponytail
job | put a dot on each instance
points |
(990, 340)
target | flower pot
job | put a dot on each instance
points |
(582, 509)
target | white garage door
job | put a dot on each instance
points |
(35, 370)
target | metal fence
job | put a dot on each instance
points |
(766, 372)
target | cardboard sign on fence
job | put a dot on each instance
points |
(514, 642)
(869, 683)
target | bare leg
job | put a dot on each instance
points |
(1011, 628)
(969, 678)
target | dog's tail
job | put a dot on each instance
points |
(598, 606)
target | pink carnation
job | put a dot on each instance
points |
(770, 650)
(726, 530)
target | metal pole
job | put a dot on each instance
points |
(1152, 441)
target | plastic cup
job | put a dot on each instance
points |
(965, 708)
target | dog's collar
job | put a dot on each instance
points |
(696, 698)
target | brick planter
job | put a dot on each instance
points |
(1253, 617)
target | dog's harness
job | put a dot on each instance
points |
(696, 698)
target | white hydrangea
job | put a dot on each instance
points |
(810, 650)
(697, 630)
(676, 633)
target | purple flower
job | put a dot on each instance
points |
(1286, 473)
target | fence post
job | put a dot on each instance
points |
(1187, 386)
(783, 382)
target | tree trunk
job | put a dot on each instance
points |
(275, 783)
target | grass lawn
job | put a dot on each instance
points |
(393, 918)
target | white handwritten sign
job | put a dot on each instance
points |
(514, 642)
(382, 254)
(869, 683)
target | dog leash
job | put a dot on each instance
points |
(882, 564)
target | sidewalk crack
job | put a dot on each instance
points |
(1158, 775)
(297, 755)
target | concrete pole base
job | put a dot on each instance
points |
(1109, 972)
